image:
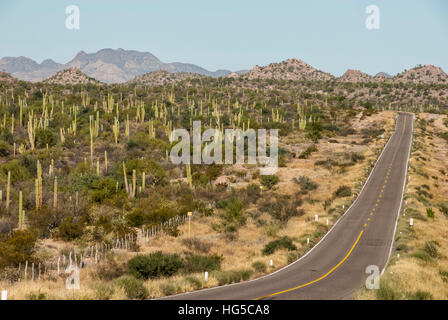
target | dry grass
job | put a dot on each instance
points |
(240, 253)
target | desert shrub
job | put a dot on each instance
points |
(283, 243)
(110, 269)
(430, 248)
(17, 248)
(44, 137)
(82, 180)
(234, 214)
(152, 210)
(198, 263)
(259, 266)
(104, 291)
(430, 213)
(70, 229)
(253, 192)
(155, 174)
(343, 191)
(306, 184)
(387, 292)
(444, 209)
(194, 282)
(168, 289)
(308, 151)
(36, 295)
(283, 208)
(141, 140)
(18, 171)
(133, 287)
(269, 181)
(172, 231)
(155, 265)
(355, 157)
(197, 245)
(444, 275)
(420, 295)
(4, 149)
(103, 189)
(232, 276)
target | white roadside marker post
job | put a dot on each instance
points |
(327, 222)
(411, 222)
(316, 217)
(307, 240)
(206, 276)
(271, 263)
(4, 294)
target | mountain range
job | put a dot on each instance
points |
(120, 66)
(106, 65)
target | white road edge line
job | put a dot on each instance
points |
(309, 251)
(406, 167)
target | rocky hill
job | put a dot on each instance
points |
(355, 76)
(291, 69)
(6, 77)
(162, 77)
(423, 74)
(70, 76)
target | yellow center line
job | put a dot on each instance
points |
(324, 276)
(357, 239)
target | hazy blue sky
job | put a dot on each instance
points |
(235, 34)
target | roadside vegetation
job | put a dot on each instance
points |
(82, 166)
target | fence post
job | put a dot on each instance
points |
(4, 295)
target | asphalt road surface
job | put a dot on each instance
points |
(336, 267)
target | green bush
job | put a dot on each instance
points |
(168, 289)
(259, 266)
(430, 213)
(283, 243)
(197, 263)
(306, 184)
(386, 292)
(194, 281)
(18, 172)
(4, 149)
(420, 295)
(444, 209)
(44, 137)
(232, 276)
(343, 191)
(17, 248)
(133, 287)
(155, 265)
(269, 181)
(234, 211)
(70, 229)
(308, 151)
(103, 189)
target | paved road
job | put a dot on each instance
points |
(336, 267)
